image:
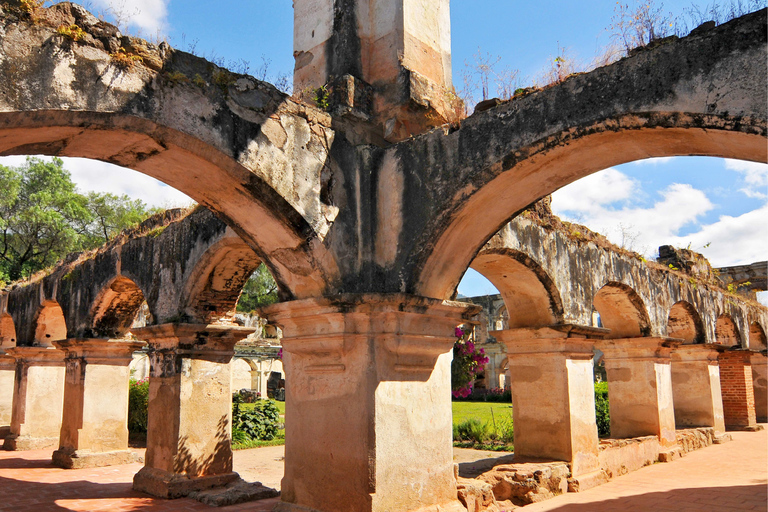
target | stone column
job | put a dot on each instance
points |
(94, 426)
(7, 378)
(495, 353)
(640, 388)
(38, 397)
(738, 389)
(696, 387)
(759, 362)
(553, 396)
(190, 408)
(368, 403)
(256, 380)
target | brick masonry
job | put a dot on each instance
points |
(738, 391)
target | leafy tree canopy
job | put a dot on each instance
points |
(260, 290)
(43, 217)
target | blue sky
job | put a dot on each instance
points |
(709, 201)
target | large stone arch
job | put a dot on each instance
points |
(7, 331)
(530, 296)
(684, 322)
(214, 286)
(234, 144)
(658, 103)
(757, 337)
(622, 311)
(50, 324)
(115, 308)
(727, 332)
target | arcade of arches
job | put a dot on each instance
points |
(367, 219)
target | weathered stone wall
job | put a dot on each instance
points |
(187, 268)
(580, 268)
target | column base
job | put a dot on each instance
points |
(5, 432)
(745, 428)
(587, 481)
(26, 443)
(454, 506)
(670, 454)
(84, 459)
(722, 438)
(171, 485)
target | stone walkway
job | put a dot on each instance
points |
(720, 478)
(728, 477)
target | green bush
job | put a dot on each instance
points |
(602, 411)
(259, 423)
(138, 403)
(471, 430)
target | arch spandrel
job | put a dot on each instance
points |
(654, 104)
(236, 145)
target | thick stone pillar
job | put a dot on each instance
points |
(389, 60)
(38, 397)
(696, 387)
(640, 388)
(7, 379)
(759, 362)
(553, 396)
(368, 403)
(94, 426)
(738, 389)
(190, 408)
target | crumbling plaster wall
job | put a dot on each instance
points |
(580, 268)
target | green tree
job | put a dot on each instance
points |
(260, 290)
(111, 214)
(40, 210)
(43, 217)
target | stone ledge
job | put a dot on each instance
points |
(82, 459)
(587, 481)
(745, 428)
(167, 485)
(233, 493)
(25, 443)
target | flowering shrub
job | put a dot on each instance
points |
(468, 363)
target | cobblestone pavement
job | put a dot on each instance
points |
(728, 477)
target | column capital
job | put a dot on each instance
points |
(409, 332)
(571, 339)
(40, 356)
(695, 352)
(100, 351)
(193, 339)
(656, 348)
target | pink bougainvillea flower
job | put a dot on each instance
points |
(458, 332)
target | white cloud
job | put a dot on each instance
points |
(654, 161)
(104, 177)
(737, 240)
(755, 176)
(149, 16)
(595, 190)
(602, 203)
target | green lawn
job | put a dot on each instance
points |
(481, 410)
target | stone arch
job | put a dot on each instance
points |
(684, 322)
(506, 158)
(757, 338)
(727, 332)
(243, 151)
(115, 308)
(7, 331)
(530, 296)
(622, 311)
(241, 374)
(215, 284)
(50, 324)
